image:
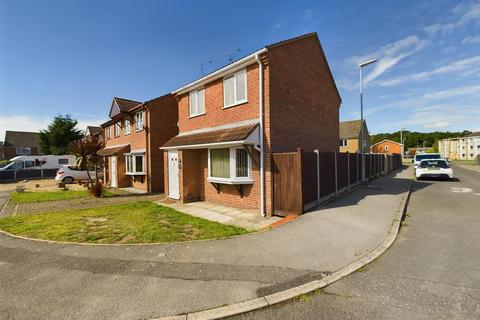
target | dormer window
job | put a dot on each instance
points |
(139, 121)
(197, 102)
(235, 89)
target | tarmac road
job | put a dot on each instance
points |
(432, 271)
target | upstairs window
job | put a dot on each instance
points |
(127, 126)
(343, 142)
(23, 151)
(139, 121)
(235, 89)
(117, 128)
(107, 133)
(197, 102)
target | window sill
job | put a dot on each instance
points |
(196, 115)
(235, 104)
(135, 174)
(230, 181)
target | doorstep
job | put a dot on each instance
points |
(223, 214)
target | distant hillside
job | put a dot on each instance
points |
(415, 139)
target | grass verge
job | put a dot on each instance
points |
(141, 222)
(41, 196)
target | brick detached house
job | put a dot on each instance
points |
(230, 121)
(387, 146)
(20, 143)
(350, 136)
(133, 138)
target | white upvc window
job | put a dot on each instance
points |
(117, 128)
(135, 163)
(23, 151)
(196, 100)
(108, 133)
(235, 89)
(127, 126)
(343, 142)
(139, 121)
(229, 165)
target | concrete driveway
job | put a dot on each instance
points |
(58, 281)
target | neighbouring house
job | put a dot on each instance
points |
(461, 148)
(20, 143)
(350, 136)
(277, 99)
(387, 146)
(133, 137)
(93, 131)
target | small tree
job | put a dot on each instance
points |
(86, 150)
(59, 134)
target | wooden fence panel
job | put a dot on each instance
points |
(287, 183)
(309, 177)
(353, 159)
(342, 171)
(327, 173)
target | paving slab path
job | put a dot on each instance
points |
(57, 281)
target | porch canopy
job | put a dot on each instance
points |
(244, 133)
(112, 150)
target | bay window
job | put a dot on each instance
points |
(197, 102)
(135, 163)
(235, 89)
(229, 165)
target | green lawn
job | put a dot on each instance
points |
(139, 222)
(41, 196)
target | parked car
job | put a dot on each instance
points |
(423, 156)
(39, 162)
(69, 174)
(434, 168)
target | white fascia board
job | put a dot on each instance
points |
(237, 65)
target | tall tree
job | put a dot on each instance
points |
(59, 134)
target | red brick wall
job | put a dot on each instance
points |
(194, 185)
(304, 101)
(162, 123)
(392, 148)
(215, 114)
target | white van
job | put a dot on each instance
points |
(39, 162)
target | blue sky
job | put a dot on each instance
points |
(74, 56)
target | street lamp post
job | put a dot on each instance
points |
(362, 133)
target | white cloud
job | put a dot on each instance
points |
(459, 91)
(388, 56)
(471, 40)
(34, 123)
(468, 65)
(462, 15)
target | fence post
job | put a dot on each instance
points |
(348, 170)
(336, 175)
(318, 175)
(298, 172)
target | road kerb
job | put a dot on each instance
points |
(286, 295)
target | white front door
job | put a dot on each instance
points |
(173, 187)
(113, 171)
